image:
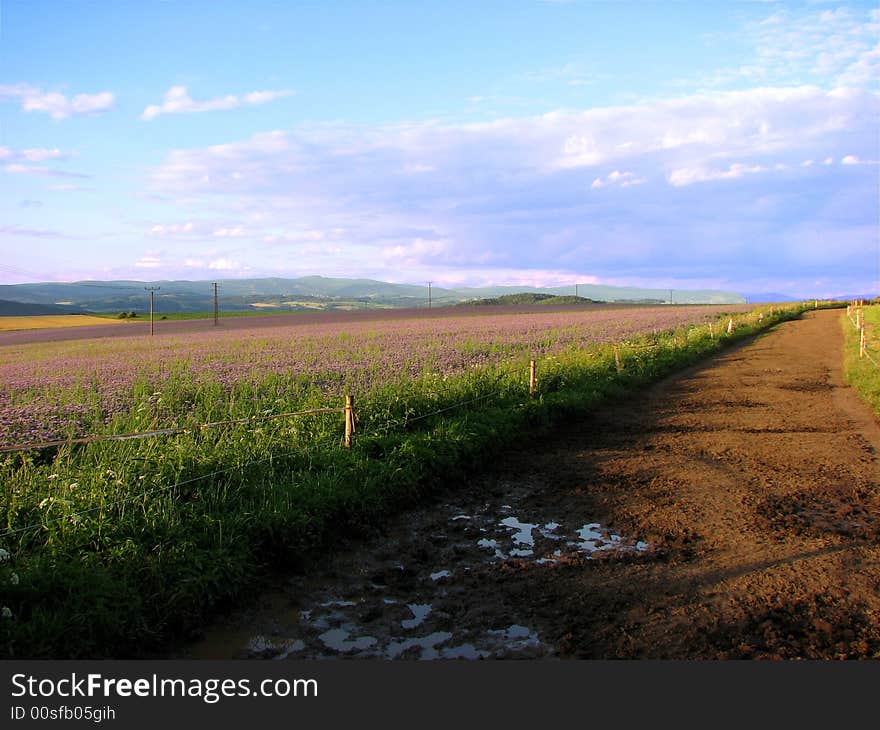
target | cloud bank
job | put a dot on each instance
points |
(54, 103)
(178, 101)
(722, 184)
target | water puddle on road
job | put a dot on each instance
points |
(424, 592)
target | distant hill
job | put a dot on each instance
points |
(311, 292)
(530, 298)
(19, 309)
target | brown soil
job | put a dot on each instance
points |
(752, 482)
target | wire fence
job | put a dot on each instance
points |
(503, 369)
(620, 353)
(867, 337)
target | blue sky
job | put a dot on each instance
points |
(729, 145)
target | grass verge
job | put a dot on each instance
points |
(863, 373)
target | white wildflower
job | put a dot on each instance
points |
(4, 555)
(13, 578)
(6, 612)
(51, 477)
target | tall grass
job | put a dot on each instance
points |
(114, 548)
(861, 373)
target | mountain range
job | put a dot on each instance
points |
(310, 292)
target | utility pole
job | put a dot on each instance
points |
(151, 289)
(216, 308)
(575, 290)
(429, 294)
(670, 296)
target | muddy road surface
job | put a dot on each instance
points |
(731, 511)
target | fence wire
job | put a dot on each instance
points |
(165, 431)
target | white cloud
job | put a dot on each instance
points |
(319, 163)
(616, 177)
(850, 160)
(172, 229)
(793, 46)
(690, 175)
(33, 154)
(294, 237)
(234, 232)
(54, 103)
(148, 262)
(263, 97)
(178, 101)
(19, 169)
(224, 264)
(416, 250)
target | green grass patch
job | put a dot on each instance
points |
(114, 549)
(863, 373)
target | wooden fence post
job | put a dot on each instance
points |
(617, 359)
(730, 326)
(862, 343)
(532, 379)
(711, 332)
(349, 420)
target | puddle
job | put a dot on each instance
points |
(337, 639)
(594, 538)
(533, 540)
(370, 602)
(516, 636)
(426, 646)
(523, 530)
(420, 613)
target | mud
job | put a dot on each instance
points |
(731, 511)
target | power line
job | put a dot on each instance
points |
(151, 289)
(216, 307)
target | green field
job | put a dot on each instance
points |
(115, 548)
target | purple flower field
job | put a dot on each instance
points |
(61, 389)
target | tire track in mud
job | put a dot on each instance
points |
(730, 511)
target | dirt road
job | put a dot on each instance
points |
(732, 511)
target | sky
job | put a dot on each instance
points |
(723, 145)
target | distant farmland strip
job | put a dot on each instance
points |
(47, 321)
